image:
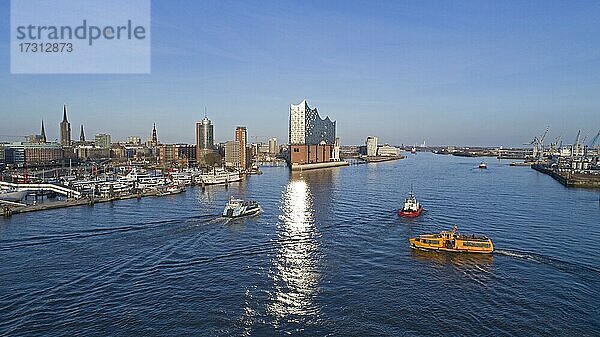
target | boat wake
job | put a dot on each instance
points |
(35, 240)
(579, 269)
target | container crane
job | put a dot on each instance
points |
(594, 140)
(576, 145)
(556, 144)
(538, 145)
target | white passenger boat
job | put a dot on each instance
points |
(113, 189)
(184, 178)
(236, 208)
(220, 176)
(146, 181)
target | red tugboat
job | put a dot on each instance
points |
(412, 208)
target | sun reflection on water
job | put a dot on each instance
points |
(295, 266)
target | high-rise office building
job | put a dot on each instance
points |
(241, 136)
(312, 139)
(65, 129)
(204, 140)
(204, 134)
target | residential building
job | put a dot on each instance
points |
(133, 140)
(232, 154)
(102, 140)
(176, 154)
(241, 136)
(371, 146)
(273, 149)
(118, 151)
(2, 155)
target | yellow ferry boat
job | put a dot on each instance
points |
(452, 241)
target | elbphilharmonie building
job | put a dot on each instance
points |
(312, 139)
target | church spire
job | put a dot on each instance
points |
(43, 134)
(154, 137)
(65, 129)
(82, 135)
(64, 113)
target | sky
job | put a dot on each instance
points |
(493, 73)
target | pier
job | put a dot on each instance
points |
(570, 179)
(10, 208)
(314, 166)
(379, 159)
(69, 193)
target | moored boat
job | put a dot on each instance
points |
(482, 165)
(411, 208)
(453, 241)
(237, 208)
(220, 176)
(172, 189)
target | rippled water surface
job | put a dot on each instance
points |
(328, 256)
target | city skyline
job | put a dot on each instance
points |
(458, 74)
(264, 139)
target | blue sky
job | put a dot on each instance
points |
(447, 72)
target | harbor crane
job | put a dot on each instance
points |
(538, 145)
(577, 138)
(579, 147)
(576, 145)
(594, 140)
(556, 144)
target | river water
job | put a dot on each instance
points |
(329, 256)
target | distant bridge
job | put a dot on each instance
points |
(69, 193)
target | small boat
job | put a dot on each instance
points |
(482, 165)
(412, 208)
(171, 189)
(413, 150)
(452, 241)
(236, 208)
